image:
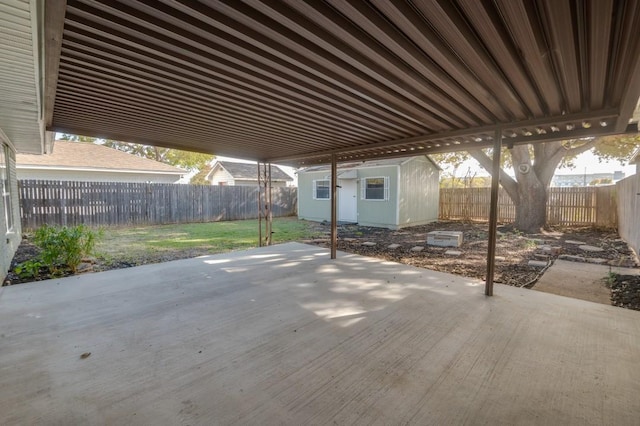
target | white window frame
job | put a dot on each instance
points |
(363, 188)
(315, 189)
(5, 188)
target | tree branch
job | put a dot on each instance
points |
(506, 181)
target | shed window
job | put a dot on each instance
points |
(5, 186)
(375, 188)
(321, 190)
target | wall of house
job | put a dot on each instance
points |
(221, 176)
(12, 238)
(380, 213)
(252, 182)
(628, 190)
(419, 192)
(308, 208)
(95, 176)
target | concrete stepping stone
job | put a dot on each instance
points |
(417, 248)
(592, 249)
(596, 260)
(349, 240)
(393, 246)
(574, 242)
(572, 258)
(454, 253)
(369, 243)
(537, 264)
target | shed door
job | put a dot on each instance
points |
(347, 200)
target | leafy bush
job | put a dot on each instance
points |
(64, 247)
(28, 269)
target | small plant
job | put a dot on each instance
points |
(531, 244)
(612, 278)
(64, 247)
(28, 269)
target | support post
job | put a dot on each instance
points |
(334, 204)
(259, 208)
(493, 212)
(268, 206)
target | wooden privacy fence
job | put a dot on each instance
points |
(565, 206)
(629, 210)
(118, 203)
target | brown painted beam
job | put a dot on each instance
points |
(493, 212)
(334, 204)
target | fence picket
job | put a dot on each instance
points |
(118, 203)
(565, 206)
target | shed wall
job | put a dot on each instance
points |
(419, 192)
(308, 208)
(381, 213)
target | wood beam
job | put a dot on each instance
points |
(54, 14)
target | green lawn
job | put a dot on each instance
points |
(164, 242)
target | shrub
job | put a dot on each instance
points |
(64, 247)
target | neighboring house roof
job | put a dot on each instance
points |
(372, 163)
(248, 171)
(89, 156)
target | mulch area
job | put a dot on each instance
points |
(513, 253)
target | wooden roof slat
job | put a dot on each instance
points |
(599, 15)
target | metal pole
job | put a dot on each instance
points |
(269, 212)
(334, 192)
(259, 209)
(493, 212)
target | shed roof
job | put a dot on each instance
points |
(369, 163)
(250, 171)
(82, 155)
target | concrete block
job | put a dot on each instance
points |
(574, 242)
(454, 253)
(592, 249)
(417, 248)
(537, 264)
(445, 238)
(369, 243)
(393, 246)
(572, 258)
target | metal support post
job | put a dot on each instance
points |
(493, 211)
(334, 193)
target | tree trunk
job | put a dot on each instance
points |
(531, 205)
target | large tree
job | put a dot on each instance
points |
(534, 166)
(175, 157)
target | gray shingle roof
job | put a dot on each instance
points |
(70, 155)
(250, 171)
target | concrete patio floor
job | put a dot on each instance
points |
(284, 335)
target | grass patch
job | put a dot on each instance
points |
(193, 239)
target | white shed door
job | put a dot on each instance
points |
(347, 200)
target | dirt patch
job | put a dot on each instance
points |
(625, 291)
(513, 253)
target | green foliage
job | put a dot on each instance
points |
(64, 247)
(602, 181)
(28, 269)
(199, 178)
(175, 157)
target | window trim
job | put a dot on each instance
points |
(315, 189)
(363, 188)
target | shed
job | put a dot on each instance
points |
(244, 174)
(391, 193)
